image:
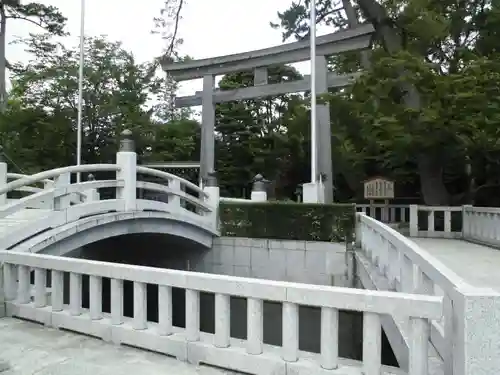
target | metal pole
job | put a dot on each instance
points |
(314, 156)
(80, 89)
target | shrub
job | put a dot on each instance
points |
(288, 220)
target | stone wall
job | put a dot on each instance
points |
(319, 263)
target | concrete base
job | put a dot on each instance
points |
(313, 192)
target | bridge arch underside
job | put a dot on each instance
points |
(100, 232)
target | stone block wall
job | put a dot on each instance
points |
(319, 263)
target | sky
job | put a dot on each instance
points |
(208, 27)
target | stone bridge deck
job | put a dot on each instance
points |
(475, 264)
(32, 348)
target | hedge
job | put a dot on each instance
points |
(288, 220)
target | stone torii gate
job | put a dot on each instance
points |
(259, 60)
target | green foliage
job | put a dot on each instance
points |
(259, 136)
(288, 220)
(47, 17)
(426, 106)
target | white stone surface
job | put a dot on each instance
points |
(476, 264)
(313, 192)
(321, 263)
(21, 217)
(31, 348)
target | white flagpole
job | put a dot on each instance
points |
(312, 33)
(80, 89)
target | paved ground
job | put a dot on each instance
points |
(478, 265)
(31, 348)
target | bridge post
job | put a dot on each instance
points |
(413, 220)
(476, 345)
(259, 191)
(3, 178)
(466, 229)
(126, 158)
(212, 189)
(92, 194)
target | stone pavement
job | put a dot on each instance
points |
(475, 264)
(29, 348)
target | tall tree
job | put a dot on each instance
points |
(253, 136)
(43, 16)
(422, 45)
(117, 91)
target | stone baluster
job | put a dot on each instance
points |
(91, 195)
(431, 228)
(406, 274)
(116, 301)
(62, 200)
(466, 221)
(424, 283)
(192, 315)
(329, 338)
(40, 287)
(372, 344)
(175, 200)
(57, 290)
(213, 191)
(165, 310)
(222, 320)
(75, 293)
(402, 211)
(413, 220)
(126, 158)
(2, 292)
(95, 296)
(4, 366)
(3, 177)
(419, 342)
(140, 306)
(290, 349)
(23, 285)
(447, 222)
(392, 214)
(10, 278)
(255, 326)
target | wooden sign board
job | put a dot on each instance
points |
(379, 188)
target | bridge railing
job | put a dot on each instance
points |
(476, 224)
(410, 269)
(30, 189)
(482, 225)
(250, 355)
(66, 201)
(391, 213)
(435, 221)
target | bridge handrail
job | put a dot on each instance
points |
(239, 200)
(13, 175)
(486, 210)
(153, 186)
(432, 267)
(170, 176)
(53, 173)
(39, 197)
(418, 308)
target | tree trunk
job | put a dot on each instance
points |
(431, 181)
(432, 185)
